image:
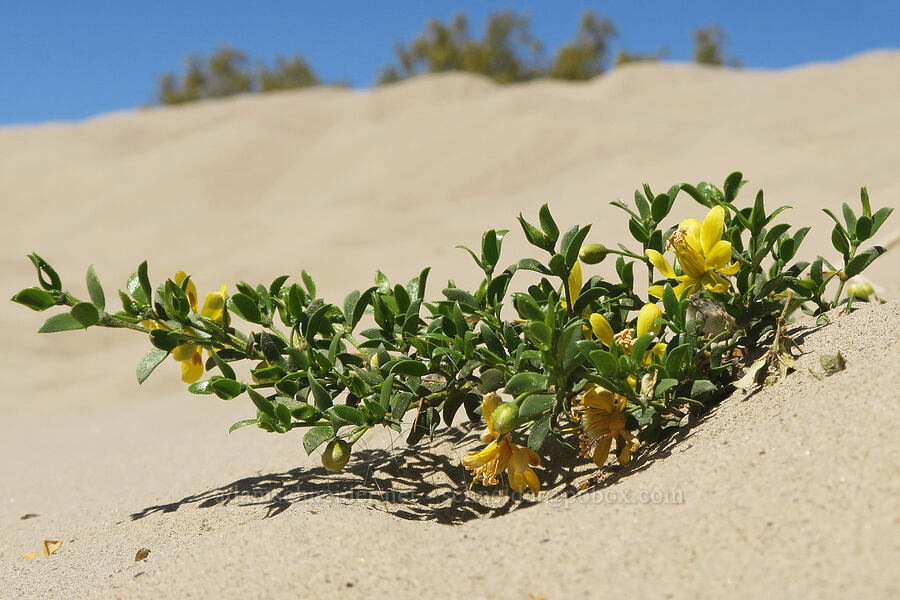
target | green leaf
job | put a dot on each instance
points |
(675, 359)
(540, 334)
(350, 307)
(347, 414)
(535, 405)
(144, 281)
(527, 307)
(295, 301)
(839, 240)
(95, 290)
(34, 298)
(316, 323)
(164, 340)
(523, 383)
(879, 218)
(262, 403)
(473, 255)
(660, 207)
(226, 389)
(642, 203)
(638, 231)
(641, 345)
(316, 436)
(701, 387)
(605, 362)
(387, 391)
(530, 264)
(864, 200)
(202, 387)
(490, 250)
(663, 386)
(283, 413)
(226, 369)
(558, 266)
(462, 296)
(548, 224)
(863, 228)
(849, 218)
(85, 313)
(571, 245)
(836, 220)
(733, 183)
(574, 247)
(243, 423)
(538, 433)
(149, 362)
(670, 301)
(420, 283)
(277, 284)
(863, 260)
(400, 404)
(534, 236)
(412, 368)
(309, 283)
(244, 307)
(52, 281)
(321, 397)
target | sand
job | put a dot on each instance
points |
(790, 491)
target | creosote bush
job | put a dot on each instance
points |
(601, 366)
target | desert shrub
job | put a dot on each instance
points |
(599, 365)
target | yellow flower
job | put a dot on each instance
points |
(190, 355)
(213, 304)
(702, 254)
(603, 421)
(625, 338)
(502, 455)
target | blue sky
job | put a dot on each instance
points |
(62, 60)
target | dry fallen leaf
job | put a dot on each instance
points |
(51, 546)
(141, 554)
(29, 516)
(29, 555)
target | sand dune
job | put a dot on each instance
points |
(791, 490)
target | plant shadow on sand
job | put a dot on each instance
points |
(428, 482)
(422, 483)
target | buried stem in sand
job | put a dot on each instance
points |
(600, 365)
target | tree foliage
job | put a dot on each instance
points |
(226, 72)
(624, 57)
(586, 56)
(507, 52)
(708, 44)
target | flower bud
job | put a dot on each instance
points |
(646, 319)
(336, 455)
(505, 418)
(592, 254)
(602, 329)
(861, 290)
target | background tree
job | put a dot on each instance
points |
(507, 52)
(224, 73)
(288, 73)
(708, 44)
(586, 57)
(624, 57)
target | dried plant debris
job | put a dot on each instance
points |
(27, 516)
(832, 363)
(141, 554)
(51, 546)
